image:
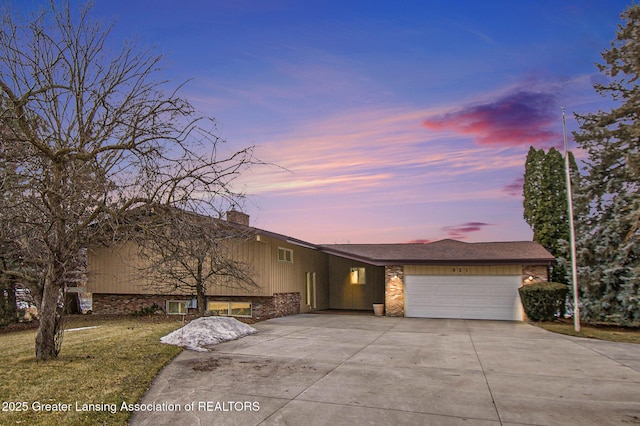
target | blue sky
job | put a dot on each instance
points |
(395, 121)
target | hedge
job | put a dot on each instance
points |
(543, 301)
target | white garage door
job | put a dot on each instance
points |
(492, 297)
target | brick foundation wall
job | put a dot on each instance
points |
(286, 304)
(394, 291)
(119, 304)
(263, 307)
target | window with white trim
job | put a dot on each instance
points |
(285, 255)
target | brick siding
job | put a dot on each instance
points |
(394, 291)
(534, 274)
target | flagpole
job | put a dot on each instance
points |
(572, 234)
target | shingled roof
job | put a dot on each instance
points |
(445, 252)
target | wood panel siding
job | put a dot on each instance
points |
(462, 270)
(119, 270)
(344, 294)
(285, 277)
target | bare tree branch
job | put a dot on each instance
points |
(89, 135)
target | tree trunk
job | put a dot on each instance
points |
(202, 303)
(201, 289)
(46, 343)
(46, 347)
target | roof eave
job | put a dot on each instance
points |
(285, 238)
(469, 262)
(445, 262)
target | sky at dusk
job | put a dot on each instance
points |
(392, 121)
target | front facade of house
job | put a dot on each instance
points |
(291, 275)
(445, 279)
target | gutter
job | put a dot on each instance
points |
(443, 262)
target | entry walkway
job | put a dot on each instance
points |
(323, 369)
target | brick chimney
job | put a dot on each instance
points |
(240, 218)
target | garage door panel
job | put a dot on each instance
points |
(467, 296)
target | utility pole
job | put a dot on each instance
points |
(572, 233)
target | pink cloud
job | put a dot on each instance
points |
(361, 151)
(420, 241)
(514, 188)
(519, 118)
(461, 231)
(456, 232)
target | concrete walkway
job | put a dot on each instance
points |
(319, 369)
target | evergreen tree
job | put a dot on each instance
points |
(545, 205)
(608, 209)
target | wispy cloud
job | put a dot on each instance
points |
(420, 241)
(372, 149)
(461, 232)
(518, 118)
(514, 188)
(456, 232)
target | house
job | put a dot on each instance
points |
(443, 279)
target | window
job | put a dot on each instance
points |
(310, 293)
(285, 255)
(225, 309)
(358, 276)
(240, 309)
(218, 308)
(176, 307)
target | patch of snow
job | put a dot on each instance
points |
(207, 331)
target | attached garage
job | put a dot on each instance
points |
(448, 278)
(490, 297)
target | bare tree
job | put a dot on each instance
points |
(188, 253)
(92, 134)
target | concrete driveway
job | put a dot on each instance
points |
(325, 369)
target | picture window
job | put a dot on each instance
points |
(219, 308)
(234, 309)
(240, 309)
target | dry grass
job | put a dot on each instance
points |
(111, 364)
(610, 333)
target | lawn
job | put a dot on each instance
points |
(611, 333)
(105, 362)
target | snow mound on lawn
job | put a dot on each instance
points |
(207, 331)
